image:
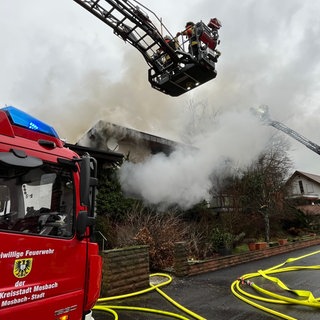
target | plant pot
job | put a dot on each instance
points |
(261, 245)
(252, 246)
(283, 241)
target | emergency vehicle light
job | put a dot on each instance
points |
(22, 119)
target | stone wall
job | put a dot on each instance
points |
(183, 267)
(125, 270)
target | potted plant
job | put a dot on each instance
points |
(282, 241)
(261, 245)
(251, 242)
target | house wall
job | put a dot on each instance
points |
(303, 186)
(137, 153)
(138, 145)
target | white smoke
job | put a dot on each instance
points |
(68, 69)
(184, 177)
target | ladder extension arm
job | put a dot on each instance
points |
(172, 69)
(263, 113)
(131, 24)
(309, 144)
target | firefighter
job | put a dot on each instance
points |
(173, 43)
(190, 33)
(215, 25)
(160, 53)
(167, 58)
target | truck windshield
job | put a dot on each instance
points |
(37, 200)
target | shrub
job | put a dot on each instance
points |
(160, 231)
(221, 239)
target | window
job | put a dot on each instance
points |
(37, 200)
(301, 187)
(310, 188)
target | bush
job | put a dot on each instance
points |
(110, 200)
(198, 240)
(160, 231)
(221, 240)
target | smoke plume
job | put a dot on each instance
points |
(184, 177)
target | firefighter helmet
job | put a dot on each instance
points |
(214, 23)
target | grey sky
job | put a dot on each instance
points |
(66, 67)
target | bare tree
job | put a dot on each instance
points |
(201, 116)
(263, 181)
(257, 188)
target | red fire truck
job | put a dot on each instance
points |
(49, 266)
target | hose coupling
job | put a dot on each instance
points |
(249, 283)
(241, 280)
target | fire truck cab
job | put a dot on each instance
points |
(50, 268)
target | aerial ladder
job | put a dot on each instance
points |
(173, 69)
(263, 113)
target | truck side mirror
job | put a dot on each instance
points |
(83, 221)
(87, 181)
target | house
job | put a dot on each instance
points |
(303, 191)
(134, 144)
(303, 187)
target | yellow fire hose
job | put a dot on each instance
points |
(305, 297)
(111, 308)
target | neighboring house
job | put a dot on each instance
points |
(303, 191)
(303, 187)
(135, 144)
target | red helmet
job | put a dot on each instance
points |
(215, 23)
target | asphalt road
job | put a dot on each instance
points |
(209, 294)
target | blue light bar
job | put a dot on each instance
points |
(22, 119)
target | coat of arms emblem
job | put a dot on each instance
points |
(22, 267)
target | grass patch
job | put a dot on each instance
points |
(241, 248)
